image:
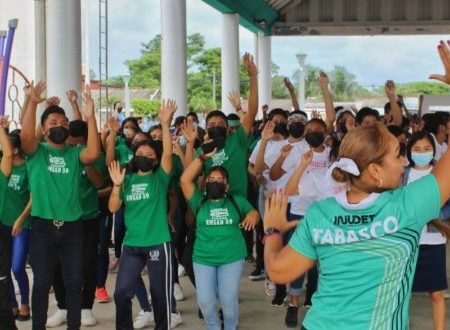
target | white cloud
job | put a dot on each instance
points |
(371, 59)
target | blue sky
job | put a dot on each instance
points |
(372, 59)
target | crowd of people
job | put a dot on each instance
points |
(354, 203)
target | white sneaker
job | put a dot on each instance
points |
(57, 319)
(87, 318)
(178, 292)
(175, 320)
(270, 288)
(181, 270)
(143, 320)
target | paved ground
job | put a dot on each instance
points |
(255, 309)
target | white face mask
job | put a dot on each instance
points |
(128, 132)
(194, 125)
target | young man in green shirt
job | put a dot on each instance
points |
(56, 230)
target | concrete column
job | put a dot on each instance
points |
(230, 59)
(63, 31)
(264, 70)
(39, 40)
(173, 53)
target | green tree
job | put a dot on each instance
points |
(145, 107)
(343, 84)
(279, 91)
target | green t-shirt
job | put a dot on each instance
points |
(234, 158)
(177, 170)
(366, 256)
(89, 196)
(16, 196)
(122, 152)
(145, 201)
(218, 239)
(54, 177)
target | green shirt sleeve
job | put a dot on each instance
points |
(421, 200)
(301, 241)
(195, 200)
(244, 205)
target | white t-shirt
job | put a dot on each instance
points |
(440, 148)
(428, 237)
(312, 183)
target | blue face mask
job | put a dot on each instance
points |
(182, 140)
(422, 158)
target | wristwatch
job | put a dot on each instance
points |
(271, 230)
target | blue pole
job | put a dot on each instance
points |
(4, 78)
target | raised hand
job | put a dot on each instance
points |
(189, 132)
(37, 91)
(267, 132)
(275, 212)
(389, 88)
(235, 99)
(286, 150)
(323, 80)
(315, 114)
(4, 122)
(117, 175)
(72, 96)
(307, 158)
(250, 65)
(168, 109)
(444, 53)
(88, 110)
(113, 124)
(51, 101)
(288, 84)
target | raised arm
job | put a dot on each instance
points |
(111, 140)
(266, 135)
(324, 83)
(165, 115)
(276, 171)
(26, 91)
(189, 175)
(90, 154)
(72, 97)
(291, 90)
(292, 184)
(396, 111)
(249, 118)
(441, 170)
(190, 134)
(279, 260)
(7, 158)
(27, 134)
(117, 176)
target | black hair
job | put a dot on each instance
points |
(364, 112)
(276, 111)
(179, 120)
(216, 113)
(416, 137)
(51, 109)
(432, 122)
(338, 108)
(78, 128)
(395, 130)
(318, 121)
(115, 103)
(157, 126)
(220, 169)
(14, 137)
(299, 112)
(134, 121)
(387, 107)
(157, 148)
(233, 116)
(192, 114)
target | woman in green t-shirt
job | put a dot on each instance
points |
(15, 218)
(143, 192)
(219, 248)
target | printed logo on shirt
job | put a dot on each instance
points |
(14, 180)
(339, 236)
(130, 157)
(219, 217)
(219, 158)
(138, 192)
(318, 164)
(154, 255)
(57, 165)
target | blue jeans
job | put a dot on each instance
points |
(219, 283)
(20, 247)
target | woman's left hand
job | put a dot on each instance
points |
(250, 221)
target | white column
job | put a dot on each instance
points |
(173, 53)
(87, 51)
(63, 31)
(230, 59)
(264, 70)
(39, 40)
(301, 89)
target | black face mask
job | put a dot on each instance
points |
(215, 190)
(144, 164)
(343, 128)
(281, 128)
(314, 139)
(296, 129)
(219, 136)
(119, 109)
(58, 134)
